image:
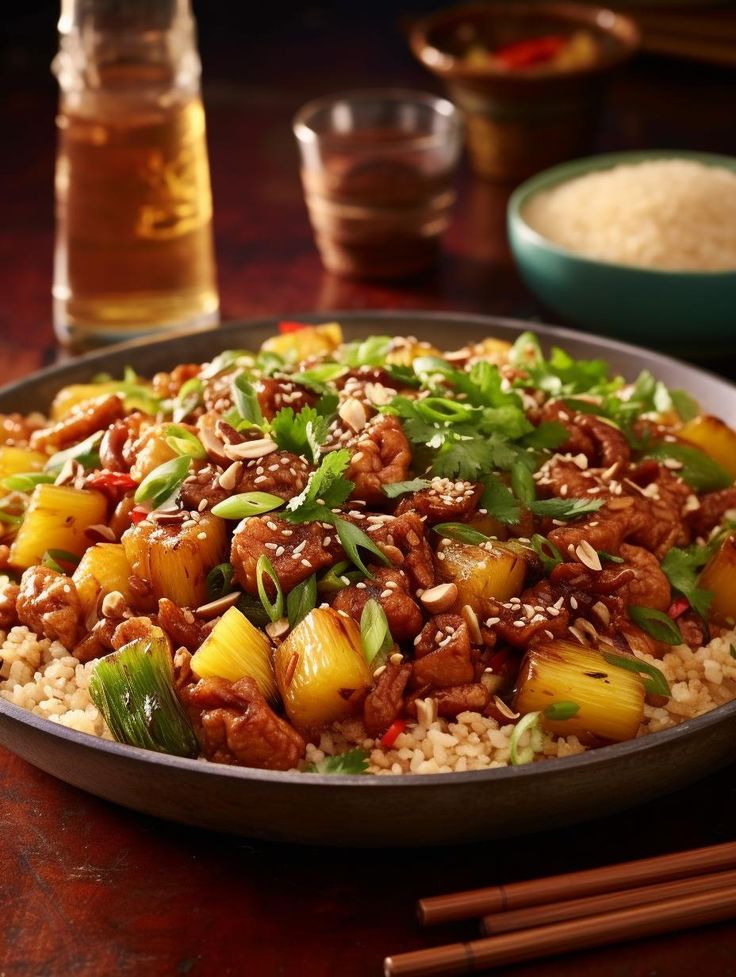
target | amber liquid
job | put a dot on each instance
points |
(134, 216)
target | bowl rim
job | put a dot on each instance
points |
(549, 768)
(616, 25)
(569, 170)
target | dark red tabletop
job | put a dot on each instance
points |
(90, 889)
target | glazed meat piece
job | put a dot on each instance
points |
(15, 429)
(79, 424)
(296, 551)
(116, 448)
(660, 513)
(182, 627)
(450, 702)
(610, 446)
(713, 507)
(650, 587)
(443, 501)
(381, 455)
(539, 612)
(48, 604)
(390, 589)
(279, 473)
(169, 384)
(402, 540)
(274, 394)
(443, 654)
(235, 725)
(385, 703)
(97, 642)
(557, 412)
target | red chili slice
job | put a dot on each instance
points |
(285, 327)
(392, 733)
(522, 54)
(109, 480)
(678, 608)
(138, 513)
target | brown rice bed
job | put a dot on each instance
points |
(42, 676)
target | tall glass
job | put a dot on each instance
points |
(134, 250)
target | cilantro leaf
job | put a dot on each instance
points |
(564, 508)
(325, 490)
(549, 434)
(682, 568)
(466, 459)
(686, 406)
(302, 434)
(396, 489)
(657, 624)
(699, 470)
(499, 501)
(352, 762)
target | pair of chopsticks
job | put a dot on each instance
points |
(577, 910)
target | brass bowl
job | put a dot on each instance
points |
(521, 122)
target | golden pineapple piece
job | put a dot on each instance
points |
(719, 576)
(714, 437)
(320, 669)
(481, 573)
(103, 568)
(234, 649)
(491, 350)
(610, 699)
(78, 394)
(152, 451)
(56, 518)
(15, 461)
(309, 341)
(175, 558)
(404, 351)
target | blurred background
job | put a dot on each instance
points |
(260, 63)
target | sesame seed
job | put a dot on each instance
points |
(305, 563)
(279, 551)
(491, 621)
(272, 546)
(519, 624)
(272, 525)
(202, 535)
(573, 603)
(384, 594)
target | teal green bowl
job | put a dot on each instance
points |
(689, 311)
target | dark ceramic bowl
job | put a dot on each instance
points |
(374, 811)
(520, 122)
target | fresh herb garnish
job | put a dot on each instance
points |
(656, 623)
(352, 762)
(301, 600)
(187, 400)
(565, 509)
(609, 557)
(699, 470)
(461, 533)
(301, 434)
(375, 633)
(353, 540)
(183, 442)
(549, 435)
(274, 608)
(338, 577)
(229, 359)
(218, 581)
(499, 501)
(522, 482)
(370, 352)
(27, 481)
(85, 453)
(682, 567)
(655, 683)
(319, 377)
(325, 490)
(396, 489)
(547, 552)
(246, 504)
(60, 560)
(163, 482)
(561, 710)
(531, 723)
(246, 400)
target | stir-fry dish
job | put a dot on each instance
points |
(369, 557)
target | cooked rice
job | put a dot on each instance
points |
(674, 214)
(42, 676)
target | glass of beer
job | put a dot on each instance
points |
(134, 250)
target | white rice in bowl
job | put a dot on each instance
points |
(42, 676)
(671, 214)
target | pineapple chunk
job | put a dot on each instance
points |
(714, 437)
(404, 352)
(481, 573)
(719, 576)
(309, 341)
(103, 568)
(492, 350)
(236, 648)
(153, 451)
(610, 699)
(77, 394)
(320, 669)
(56, 518)
(15, 461)
(174, 558)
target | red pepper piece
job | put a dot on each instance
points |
(138, 513)
(285, 327)
(678, 608)
(536, 50)
(111, 480)
(392, 733)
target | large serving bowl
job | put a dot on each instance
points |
(366, 810)
(684, 310)
(519, 122)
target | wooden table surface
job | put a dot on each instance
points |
(90, 889)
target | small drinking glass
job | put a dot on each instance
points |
(378, 169)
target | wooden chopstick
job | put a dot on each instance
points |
(557, 912)
(577, 934)
(610, 878)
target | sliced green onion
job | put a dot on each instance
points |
(85, 453)
(253, 609)
(460, 533)
(609, 557)
(442, 410)
(655, 683)
(301, 600)
(183, 442)
(318, 377)
(523, 483)
(546, 551)
(530, 722)
(27, 481)
(134, 690)
(562, 710)
(246, 400)
(375, 633)
(657, 624)
(246, 504)
(161, 484)
(337, 578)
(54, 560)
(352, 540)
(10, 519)
(219, 580)
(564, 508)
(226, 360)
(188, 399)
(275, 608)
